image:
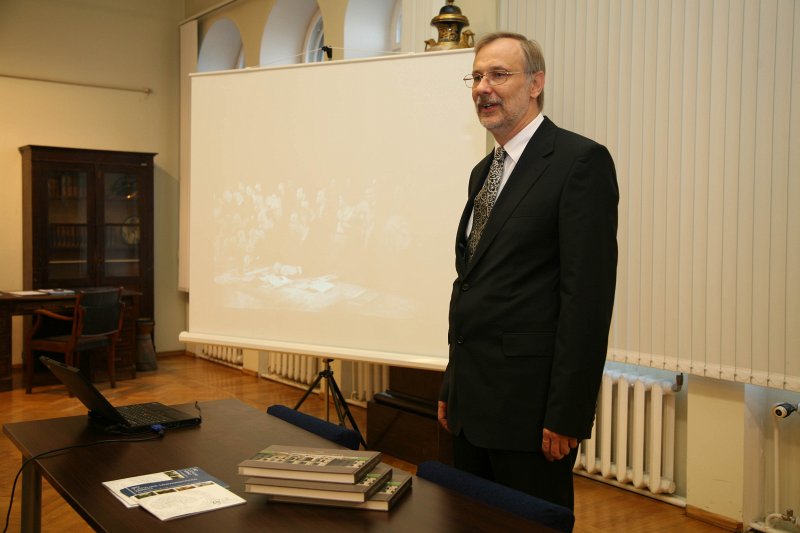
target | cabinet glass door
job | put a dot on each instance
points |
(67, 255)
(122, 224)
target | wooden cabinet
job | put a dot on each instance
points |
(88, 222)
(402, 421)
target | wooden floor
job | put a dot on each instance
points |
(599, 508)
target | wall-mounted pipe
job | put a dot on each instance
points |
(146, 90)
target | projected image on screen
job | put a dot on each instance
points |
(327, 224)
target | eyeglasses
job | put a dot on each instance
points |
(493, 77)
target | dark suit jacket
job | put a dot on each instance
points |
(530, 314)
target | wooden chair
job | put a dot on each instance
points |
(328, 430)
(549, 514)
(96, 322)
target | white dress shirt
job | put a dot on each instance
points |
(514, 148)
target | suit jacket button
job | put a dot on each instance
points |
(465, 287)
(460, 340)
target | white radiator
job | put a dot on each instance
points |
(292, 369)
(633, 438)
(358, 381)
(227, 355)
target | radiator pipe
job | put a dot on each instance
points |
(678, 385)
(766, 527)
(776, 435)
(778, 517)
(779, 411)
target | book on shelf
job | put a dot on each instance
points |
(314, 464)
(131, 489)
(186, 500)
(384, 499)
(26, 293)
(360, 491)
(57, 291)
(41, 292)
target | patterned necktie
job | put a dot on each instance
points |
(484, 201)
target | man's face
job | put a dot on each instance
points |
(505, 109)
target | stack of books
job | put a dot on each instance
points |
(324, 476)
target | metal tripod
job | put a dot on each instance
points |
(342, 409)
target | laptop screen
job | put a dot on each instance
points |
(83, 389)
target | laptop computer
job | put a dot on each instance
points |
(138, 418)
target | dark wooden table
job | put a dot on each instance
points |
(231, 431)
(12, 305)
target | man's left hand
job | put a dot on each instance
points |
(555, 446)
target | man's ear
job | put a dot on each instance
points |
(538, 84)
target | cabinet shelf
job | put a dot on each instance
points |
(67, 186)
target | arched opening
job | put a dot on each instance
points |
(221, 48)
(370, 28)
(315, 39)
(288, 29)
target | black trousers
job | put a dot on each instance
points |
(528, 472)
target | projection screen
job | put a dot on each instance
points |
(324, 203)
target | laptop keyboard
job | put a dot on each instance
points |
(141, 415)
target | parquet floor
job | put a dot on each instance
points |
(599, 508)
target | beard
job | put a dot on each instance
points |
(505, 115)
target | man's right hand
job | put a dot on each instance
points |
(442, 414)
(555, 446)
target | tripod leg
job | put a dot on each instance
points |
(337, 404)
(310, 389)
(337, 394)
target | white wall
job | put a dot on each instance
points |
(109, 42)
(715, 461)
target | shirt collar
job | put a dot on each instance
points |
(516, 145)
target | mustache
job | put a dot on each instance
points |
(487, 100)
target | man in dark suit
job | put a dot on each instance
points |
(536, 258)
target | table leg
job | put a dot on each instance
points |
(5, 348)
(31, 499)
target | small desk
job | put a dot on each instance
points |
(231, 431)
(11, 305)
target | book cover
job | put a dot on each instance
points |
(384, 499)
(128, 490)
(186, 500)
(316, 464)
(325, 490)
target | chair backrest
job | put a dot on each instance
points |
(327, 430)
(101, 310)
(497, 495)
(68, 323)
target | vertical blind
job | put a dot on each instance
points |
(699, 103)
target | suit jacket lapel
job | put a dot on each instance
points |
(526, 173)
